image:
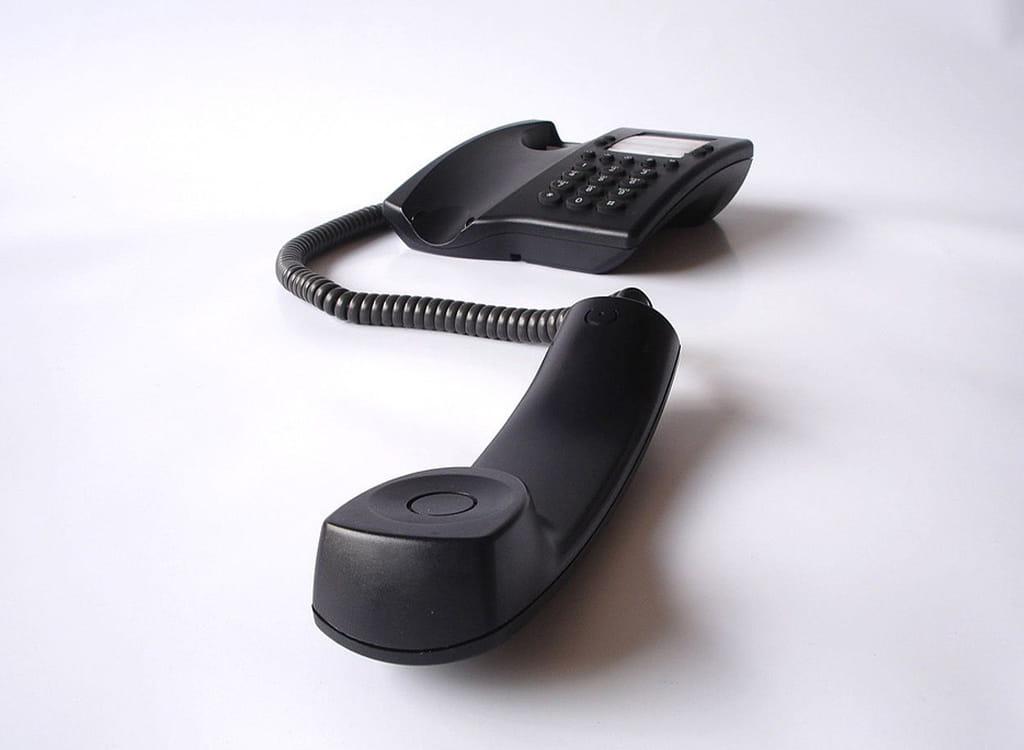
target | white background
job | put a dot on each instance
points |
(823, 546)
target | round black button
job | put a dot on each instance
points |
(604, 180)
(586, 166)
(672, 164)
(549, 197)
(635, 182)
(441, 504)
(604, 140)
(591, 191)
(598, 317)
(578, 203)
(562, 186)
(611, 205)
(574, 175)
(650, 163)
(606, 159)
(647, 173)
(588, 154)
(628, 160)
(623, 193)
(614, 170)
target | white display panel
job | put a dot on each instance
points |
(657, 145)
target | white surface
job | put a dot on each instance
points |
(823, 547)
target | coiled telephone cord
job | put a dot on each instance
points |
(521, 325)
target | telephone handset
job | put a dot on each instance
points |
(444, 564)
(521, 193)
(440, 565)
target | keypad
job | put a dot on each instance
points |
(606, 181)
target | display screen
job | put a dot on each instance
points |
(657, 145)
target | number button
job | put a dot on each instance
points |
(586, 166)
(591, 191)
(647, 173)
(549, 197)
(623, 193)
(635, 182)
(578, 203)
(574, 175)
(562, 186)
(614, 171)
(611, 205)
(604, 180)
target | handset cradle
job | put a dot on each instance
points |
(519, 192)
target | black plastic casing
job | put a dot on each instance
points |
(480, 199)
(404, 586)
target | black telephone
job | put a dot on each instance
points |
(444, 564)
(520, 193)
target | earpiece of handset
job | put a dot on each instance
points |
(440, 565)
